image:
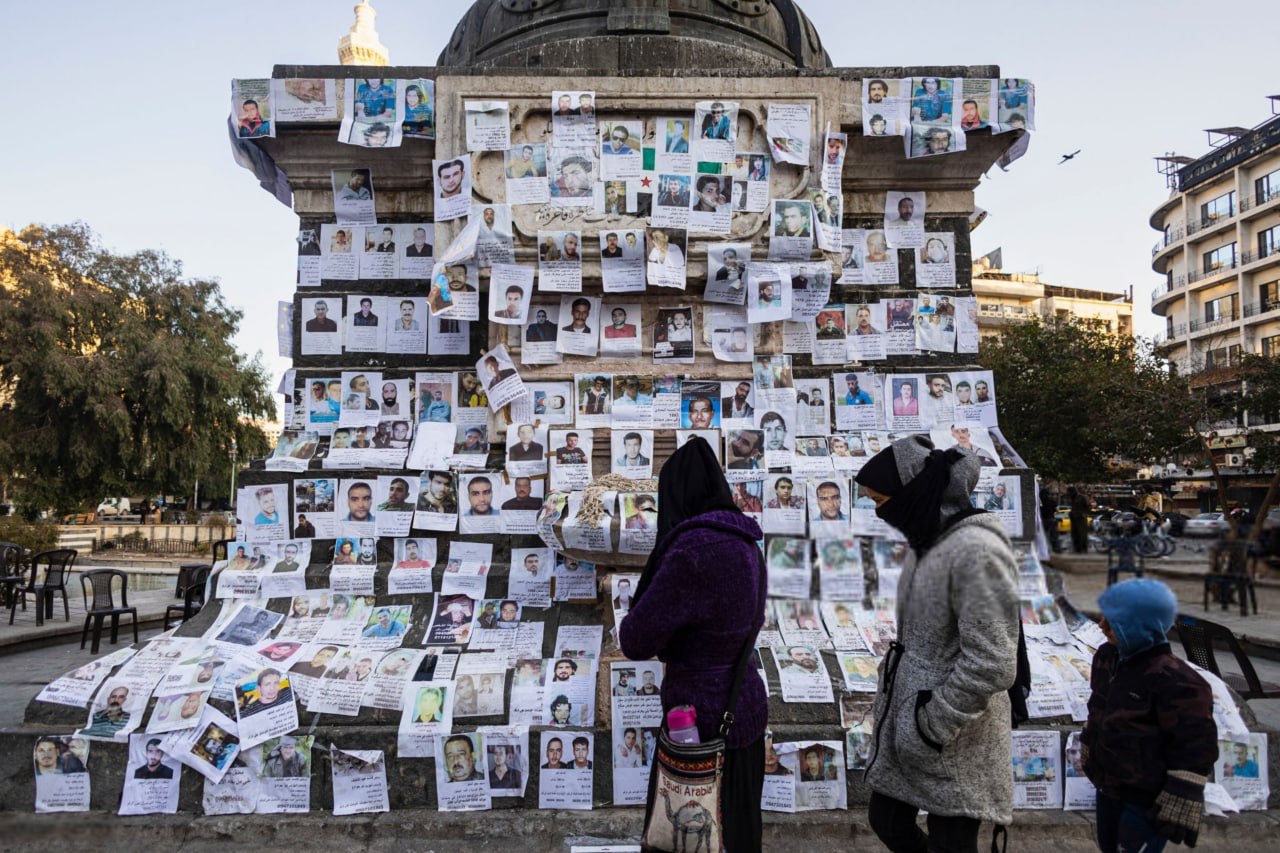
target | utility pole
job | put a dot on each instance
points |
(235, 454)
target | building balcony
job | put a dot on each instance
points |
(1252, 257)
(995, 313)
(1170, 241)
(1165, 290)
(1218, 323)
(1203, 224)
(1261, 308)
(1258, 203)
(1218, 270)
(1171, 335)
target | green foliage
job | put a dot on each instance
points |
(36, 535)
(117, 376)
(1073, 398)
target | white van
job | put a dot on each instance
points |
(112, 507)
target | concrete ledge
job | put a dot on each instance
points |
(421, 829)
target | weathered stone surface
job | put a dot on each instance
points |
(424, 830)
(744, 35)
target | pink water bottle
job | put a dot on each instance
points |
(682, 724)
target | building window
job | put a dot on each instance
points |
(1269, 295)
(1219, 208)
(1267, 187)
(1269, 242)
(1168, 328)
(1226, 399)
(1221, 357)
(1271, 346)
(1222, 308)
(1221, 258)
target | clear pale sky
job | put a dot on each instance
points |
(115, 114)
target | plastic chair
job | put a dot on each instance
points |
(192, 600)
(1120, 558)
(186, 574)
(11, 570)
(1198, 637)
(1229, 575)
(220, 549)
(57, 565)
(102, 604)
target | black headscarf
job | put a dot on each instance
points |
(691, 483)
(915, 508)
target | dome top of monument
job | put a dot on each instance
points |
(658, 36)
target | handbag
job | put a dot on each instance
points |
(682, 813)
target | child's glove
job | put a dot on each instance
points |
(1179, 807)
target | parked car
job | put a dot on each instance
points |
(1207, 524)
(1272, 521)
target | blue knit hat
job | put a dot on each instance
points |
(1140, 611)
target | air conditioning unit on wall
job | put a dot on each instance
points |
(1235, 460)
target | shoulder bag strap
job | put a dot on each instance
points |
(739, 674)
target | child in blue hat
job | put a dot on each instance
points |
(1150, 741)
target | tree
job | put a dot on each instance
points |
(116, 375)
(1073, 397)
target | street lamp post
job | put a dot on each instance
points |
(235, 454)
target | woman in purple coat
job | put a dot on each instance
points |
(698, 603)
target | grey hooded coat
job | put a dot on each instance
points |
(942, 739)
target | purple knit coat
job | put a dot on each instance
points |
(705, 601)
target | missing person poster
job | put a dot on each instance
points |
(210, 748)
(818, 769)
(265, 707)
(1037, 777)
(1242, 770)
(462, 781)
(359, 781)
(566, 774)
(61, 764)
(525, 167)
(884, 106)
(426, 712)
(501, 379)
(151, 778)
(371, 118)
(507, 755)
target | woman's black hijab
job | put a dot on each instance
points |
(915, 507)
(691, 483)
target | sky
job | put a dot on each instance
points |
(126, 105)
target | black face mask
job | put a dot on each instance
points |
(916, 508)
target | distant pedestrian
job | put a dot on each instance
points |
(1150, 740)
(1049, 517)
(1079, 512)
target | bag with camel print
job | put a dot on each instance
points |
(682, 813)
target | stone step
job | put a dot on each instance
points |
(423, 829)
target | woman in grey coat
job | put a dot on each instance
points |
(942, 737)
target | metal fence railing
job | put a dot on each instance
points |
(141, 545)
